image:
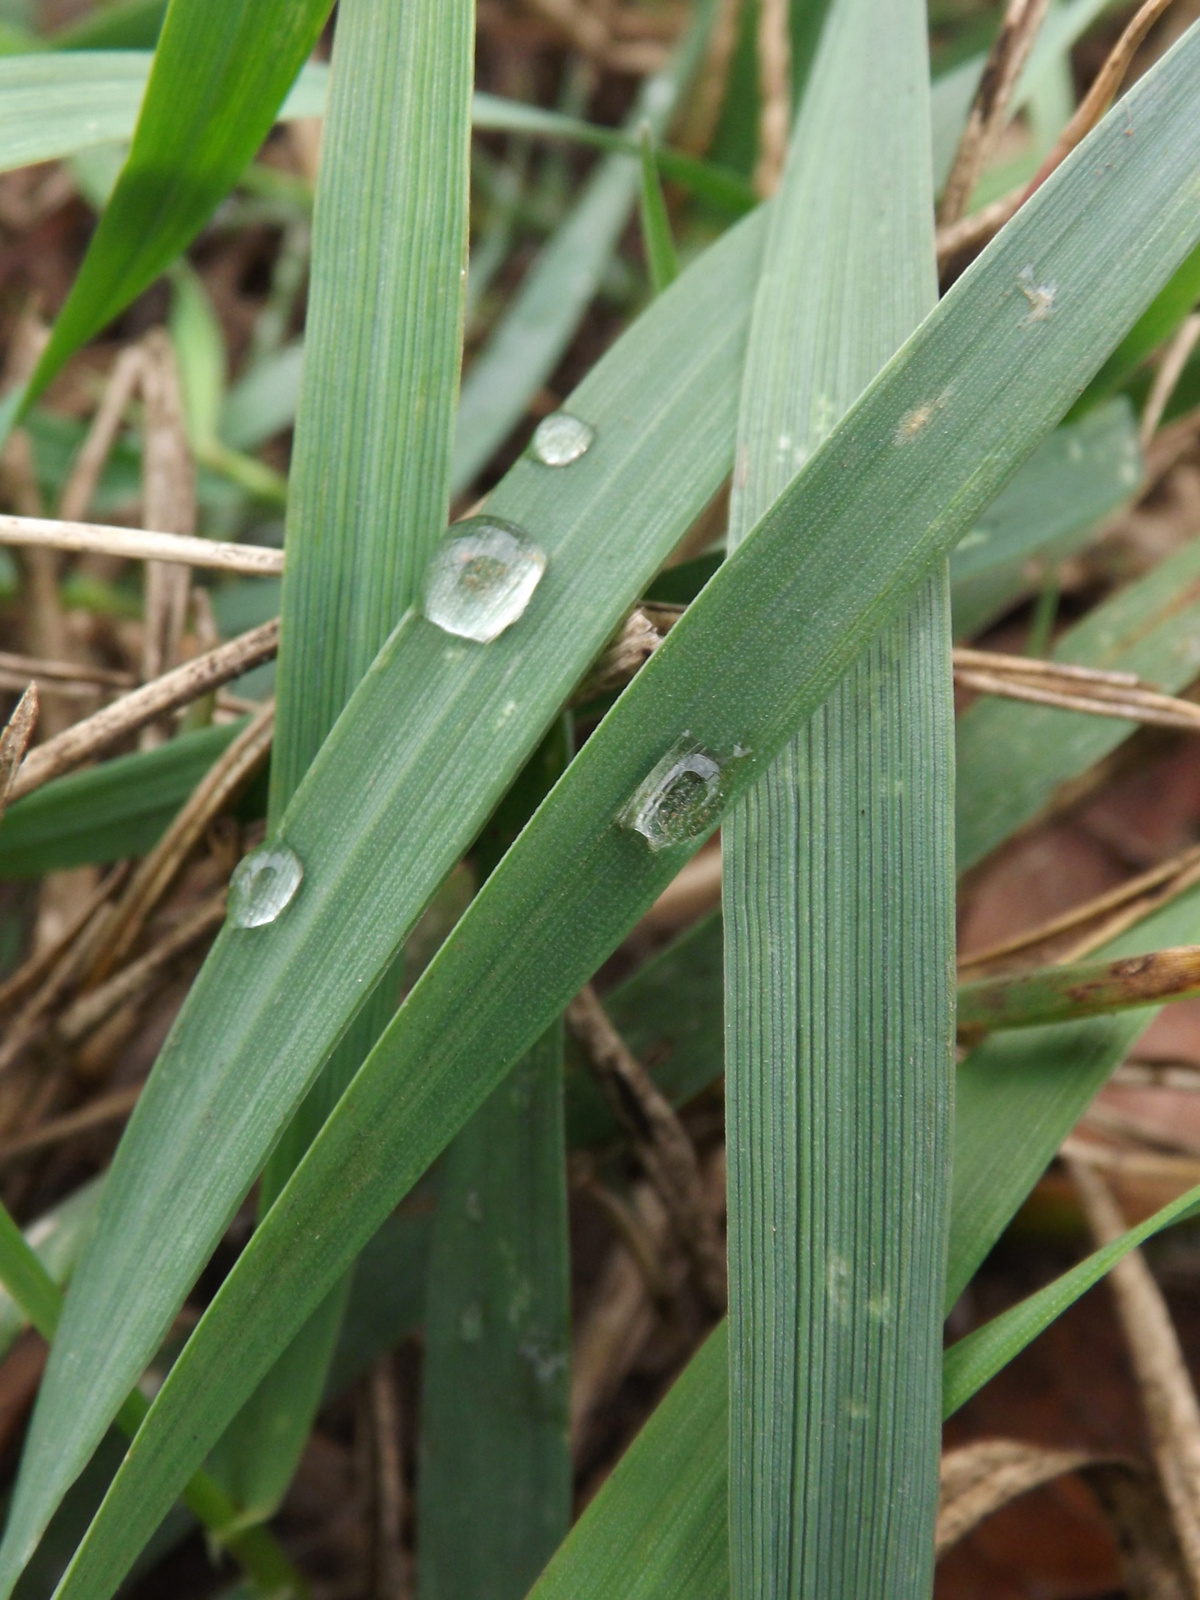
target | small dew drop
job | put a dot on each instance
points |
(481, 578)
(263, 885)
(560, 439)
(1041, 297)
(679, 797)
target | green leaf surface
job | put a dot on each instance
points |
(657, 239)
(986, 383)
(839, 863)
(57, 1238)
(1049, 510)
(375, 850)
(219, 76)
(1153, 327)
(1016, 760)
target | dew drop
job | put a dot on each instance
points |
(678, 799)
(560, 439)
(263, 885)
(481, 578)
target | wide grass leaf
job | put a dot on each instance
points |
(893, 489)
(839, 864)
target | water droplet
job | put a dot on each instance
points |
(560, 439)
(470, 1323)
(264, 883)
(481, 578)
(678, 799)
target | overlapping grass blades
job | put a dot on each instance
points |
(782, 621)
(837, 867)
(368, 500)
(437, 712)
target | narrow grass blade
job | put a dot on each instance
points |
(1154, 327)
(657, 1529)
(278, 1004)
(839, 1047)
(125, 25)
(1083, 989)
(657, 239)
(735, 670)
(220, 74)
(107, 812)
(57, 1239)
(369, 493)
(494, 1481)
(972, 1361)
(1014, 759)
(528, 343)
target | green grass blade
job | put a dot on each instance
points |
(1153, 327)
(126, 25)
(369, 494)
(278, 1004)
(57, 1239)
(536, 329)
(736, 670)
(220, 74)
(661, 257)
(1014, 760)
(981, 1355)
(839, 1046)
(107, 812)
(494, 1482)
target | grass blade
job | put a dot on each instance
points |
(972, 1361)
(735, 670)
(220, 74)
(656, 222)
(838, 1111)
(368, 498)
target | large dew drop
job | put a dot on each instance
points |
(481, 578)
(560, 439)
(263, 885)
(679, 798)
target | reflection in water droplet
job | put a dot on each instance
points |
(263, 884)
(678, 799)
(560, 439)
(481, 578)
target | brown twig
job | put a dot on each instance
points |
(659, 1138)
(775, 90)
(1169, 1400)
(1169, 878)
(14, 741)
(989, 109)
(390, 1575)
(1167, 377)
(69, 672)
(703, 110)
(133, 981)
(136, 544)
(221, 784)
(133, 711)
(169, 502)
(960, 238)
(123, 382)
(1134, 705)
(113, 1107)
